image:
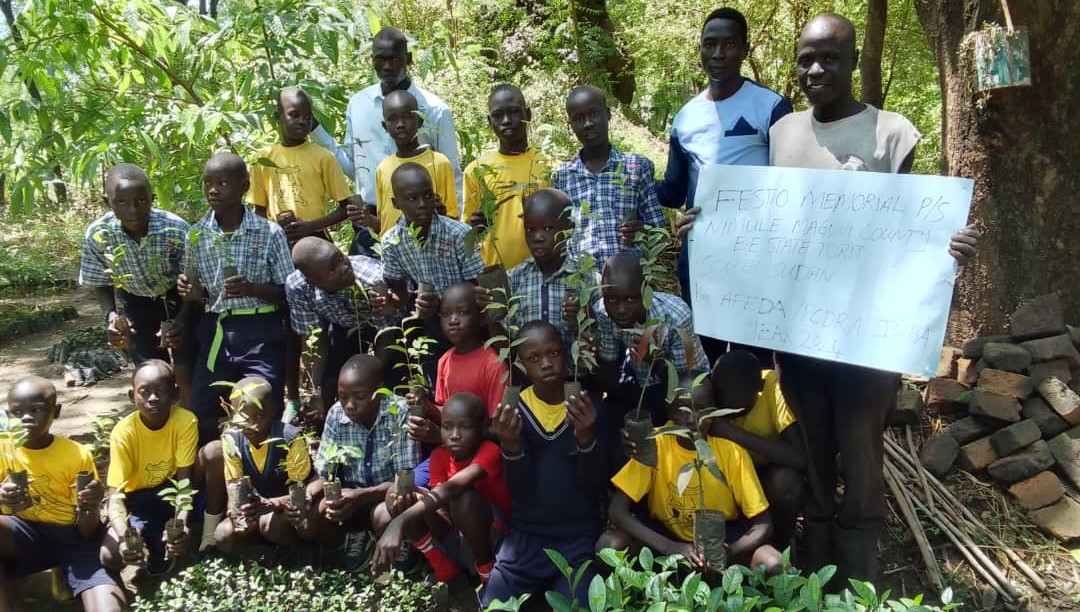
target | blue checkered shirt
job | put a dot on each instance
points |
(259, 251)
(672, 313)
(626, 183)
(148, 268)
(311, 307)
(442, 260)
(540, 298)
(385, 448)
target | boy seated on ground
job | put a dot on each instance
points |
(374, 424)
(668, 525)
(766, 427)
(49, 523)
(555, 467)
(271, 455)
(147, 448)
(467, 506)
(622, 317)
(402, 120)
(614, 193)
(131, 257)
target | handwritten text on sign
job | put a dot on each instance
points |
(841, 265)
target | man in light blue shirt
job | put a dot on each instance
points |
(366, 141)
(728, 123)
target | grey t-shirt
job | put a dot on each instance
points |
(871, 140)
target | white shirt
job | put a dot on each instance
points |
(367, 143)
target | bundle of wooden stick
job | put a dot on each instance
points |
(918, 492)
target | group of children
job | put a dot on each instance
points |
(407, 362)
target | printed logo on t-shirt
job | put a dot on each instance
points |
(157, 472)
(852, 162)
(742, 127)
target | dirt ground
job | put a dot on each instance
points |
(902, 566)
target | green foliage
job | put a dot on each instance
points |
(663, 583)
(246, 587)
(414, 350)
(335, 456)
(43, 249)
(180, 496)
(654, 242)
(583, 281)
(12, 433)
(101, 429)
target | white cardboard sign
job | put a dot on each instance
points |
(846, 266)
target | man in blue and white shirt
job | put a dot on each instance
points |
(366, 140)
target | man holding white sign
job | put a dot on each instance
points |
(842, 394)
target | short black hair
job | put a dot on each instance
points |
(125, 171)
(158, 364)
(473, 404)
(546, 199)
(297, 92)
(501, 87)
(230, 163)
(368, 367)
(394, 36)
(731, 14)
(408, 168)
(538, 324)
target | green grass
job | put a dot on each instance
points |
(42, 249)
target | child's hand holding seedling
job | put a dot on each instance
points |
(137, 556)
(427, 304)
(174, 336)
(506, 425)
(688, 552)
(89, 498)
(340, 510)
(582, 416)
(423, 430)
(13, 495)
(628, 228)
(120, 331)
(238, 287)
(184, 289)
(379, 300)
(484, 297)
(396, 504)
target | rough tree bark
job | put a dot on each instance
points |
(604, 59)
(1022, 148)
(877, 13)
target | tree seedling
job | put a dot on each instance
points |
(14, 436)
(335, 456)
(83, 479)
(580, 290)
(415, 351)
(653, 242)
(191, 270)
(181, 497)
(492, 277)
(505, 345)
(312, 395)
(638, 423)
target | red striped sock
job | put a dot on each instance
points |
(484, 571)
(444, 567)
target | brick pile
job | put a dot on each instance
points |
(1015, 404)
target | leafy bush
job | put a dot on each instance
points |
(246, 587)
(662, 584)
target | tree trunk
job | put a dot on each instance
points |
(604, 59)
(877, 13)
(1021, 146)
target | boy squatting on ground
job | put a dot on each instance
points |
(243, 261)
(146, 449)
(619, 188)
(271, 454)
(375, 424)
(621, 317)
(291, 184)
(50, 524)
(508, 174)
(402, 121)
(555, 464)
(131, 257)
(332, 292)
(467, 507)
(669, 527)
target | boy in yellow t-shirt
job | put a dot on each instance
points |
(669, 527)
(53, 524)
(402, 121)
(297, 176)
(509, 175)
(768, 430)
(146, 449)
(269, 453)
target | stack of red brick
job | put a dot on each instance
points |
(1015, 404)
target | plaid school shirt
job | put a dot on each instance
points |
(441, 260)
(259, 251)
(384, 449)
(626, 183)
(148, 268)
(311, 307)
(540, 298)
(671, 314)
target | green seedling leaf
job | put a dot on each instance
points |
(683, 479)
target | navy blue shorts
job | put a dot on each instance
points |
(148, 513)
(146, 315)
(252, 345)
(40, 546)
(522, 567)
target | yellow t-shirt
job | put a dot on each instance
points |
(297, 460)
(307, 181)
(140, 458)
(52, 472)
(442, 178)
(741, 495)
(507, 176)
(770, 415)
(550, 416)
